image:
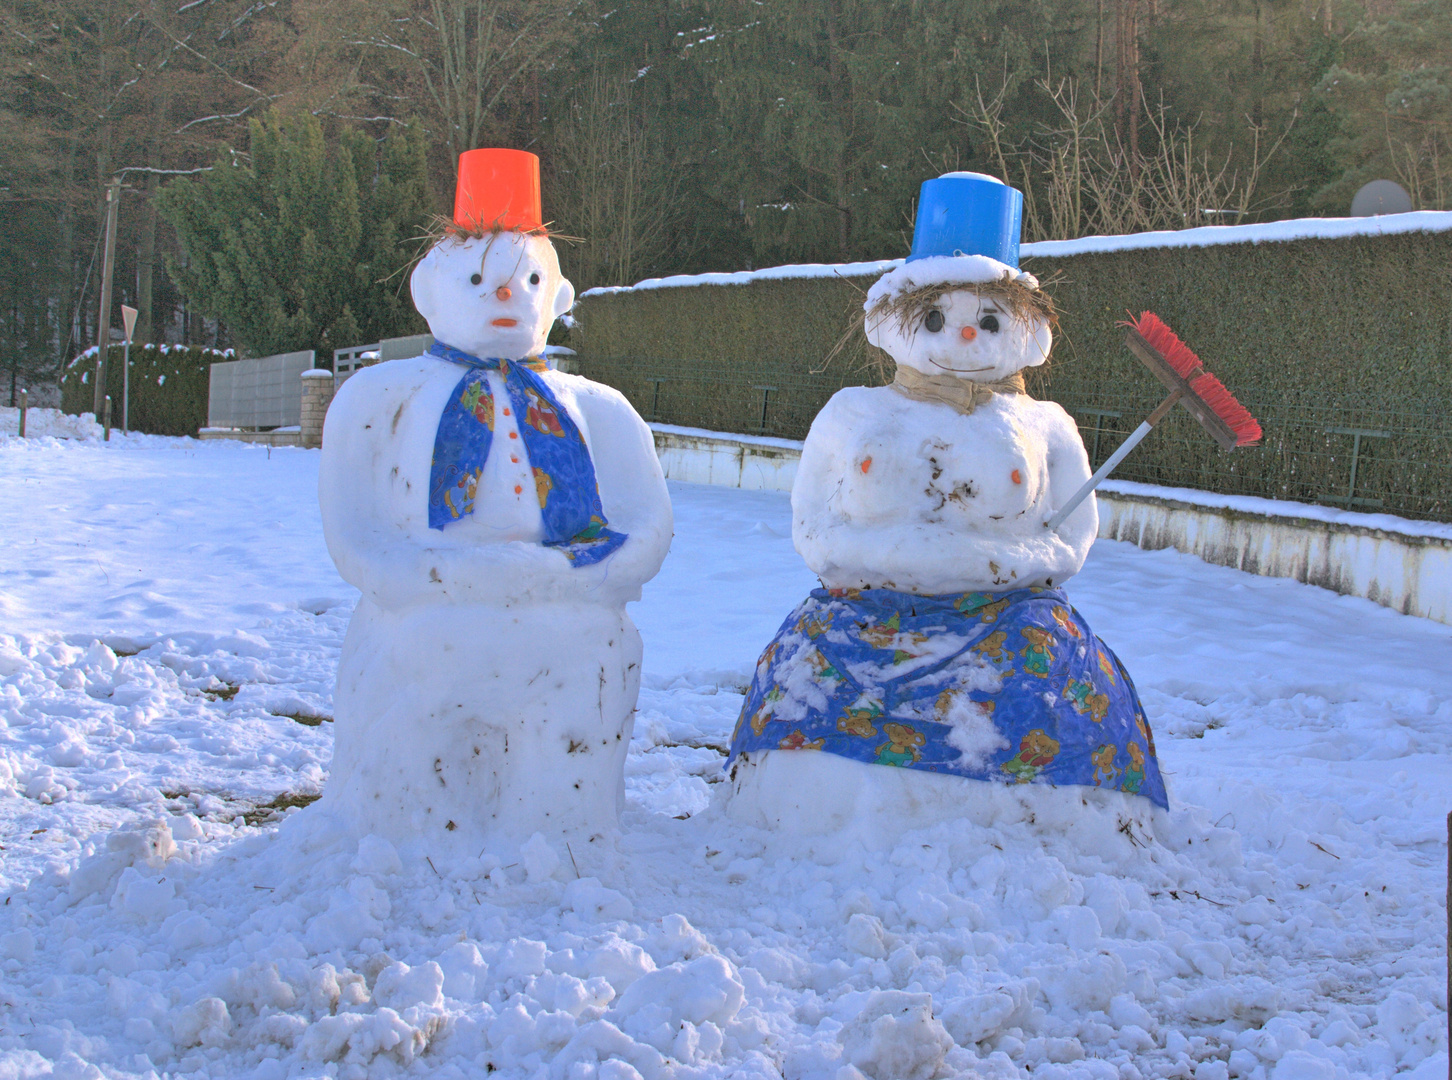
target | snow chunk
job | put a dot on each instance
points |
(205, 1023)
(591, 900)
(539, 857)
(704, 989)
(401, 987)
(895, 1037)
(376, 857)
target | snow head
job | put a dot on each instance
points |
(494, 295)
(968, 316)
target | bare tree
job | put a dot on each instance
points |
(612, 184)
(1080, 178)
(456, 64)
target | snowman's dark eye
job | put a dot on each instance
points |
(934, 322)
(534, 279)
(989, 323)
(475, 279)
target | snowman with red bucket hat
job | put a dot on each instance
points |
(497, 515)
(941, 671)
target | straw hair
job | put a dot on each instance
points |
(1022, 303)
(444, 228)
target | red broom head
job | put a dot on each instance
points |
(1185, 362)
(1207, 387)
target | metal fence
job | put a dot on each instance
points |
(1357, 458)
(346, 362)
(261, 393)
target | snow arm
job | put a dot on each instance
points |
(1068, 470)
(632, 490)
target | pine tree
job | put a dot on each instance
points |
(303, 246)
(1392, 92)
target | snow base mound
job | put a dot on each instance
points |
(822, 805)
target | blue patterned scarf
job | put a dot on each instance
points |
(1011, 688)
(564, 475)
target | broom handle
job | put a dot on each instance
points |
(1115, 458)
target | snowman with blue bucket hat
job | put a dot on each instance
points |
(941, 671)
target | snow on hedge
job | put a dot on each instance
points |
(1204, 236)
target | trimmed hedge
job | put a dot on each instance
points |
(1316, 337)
(169, 386)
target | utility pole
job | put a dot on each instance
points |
(103, 324)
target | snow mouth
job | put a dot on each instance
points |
(505, 322)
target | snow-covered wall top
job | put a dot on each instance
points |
(1296, 229)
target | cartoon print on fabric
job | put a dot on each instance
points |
(1103, 759)
(1087, 701)
(901, 746)
(814, 628)
(992, 646)
(1036, 654)
(459, 495)
(1145, 733)
(836, 679)
(1035, 751)
(762, 716)
(1066, 624)
(981, 605)
(859, 721)
(542, 415)
(574, 521)
(822, 667)
(478, 401)
(542, 486)
(1134, 774)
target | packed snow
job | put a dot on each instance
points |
(172, 625)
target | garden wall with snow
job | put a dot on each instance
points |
(1334, 332)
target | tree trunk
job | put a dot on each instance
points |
(1257, 68)
(1128, 91)
(146, 261)
(841, 112)
(1099, 52)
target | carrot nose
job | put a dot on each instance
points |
(969, 333)
(503, 292)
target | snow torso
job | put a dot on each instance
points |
(969, 493)
(413, 393)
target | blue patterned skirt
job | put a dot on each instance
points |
(1008, 687)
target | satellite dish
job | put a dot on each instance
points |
(1381, 197)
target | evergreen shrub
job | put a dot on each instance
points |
(1317, 337)
(169, 386)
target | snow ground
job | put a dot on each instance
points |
(169, 625)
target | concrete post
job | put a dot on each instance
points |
(317, 395)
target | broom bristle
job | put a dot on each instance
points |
(1180, 356)
(1206, 387)
(1222, 402)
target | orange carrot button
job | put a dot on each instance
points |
(866, 464)
(1017, 476)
